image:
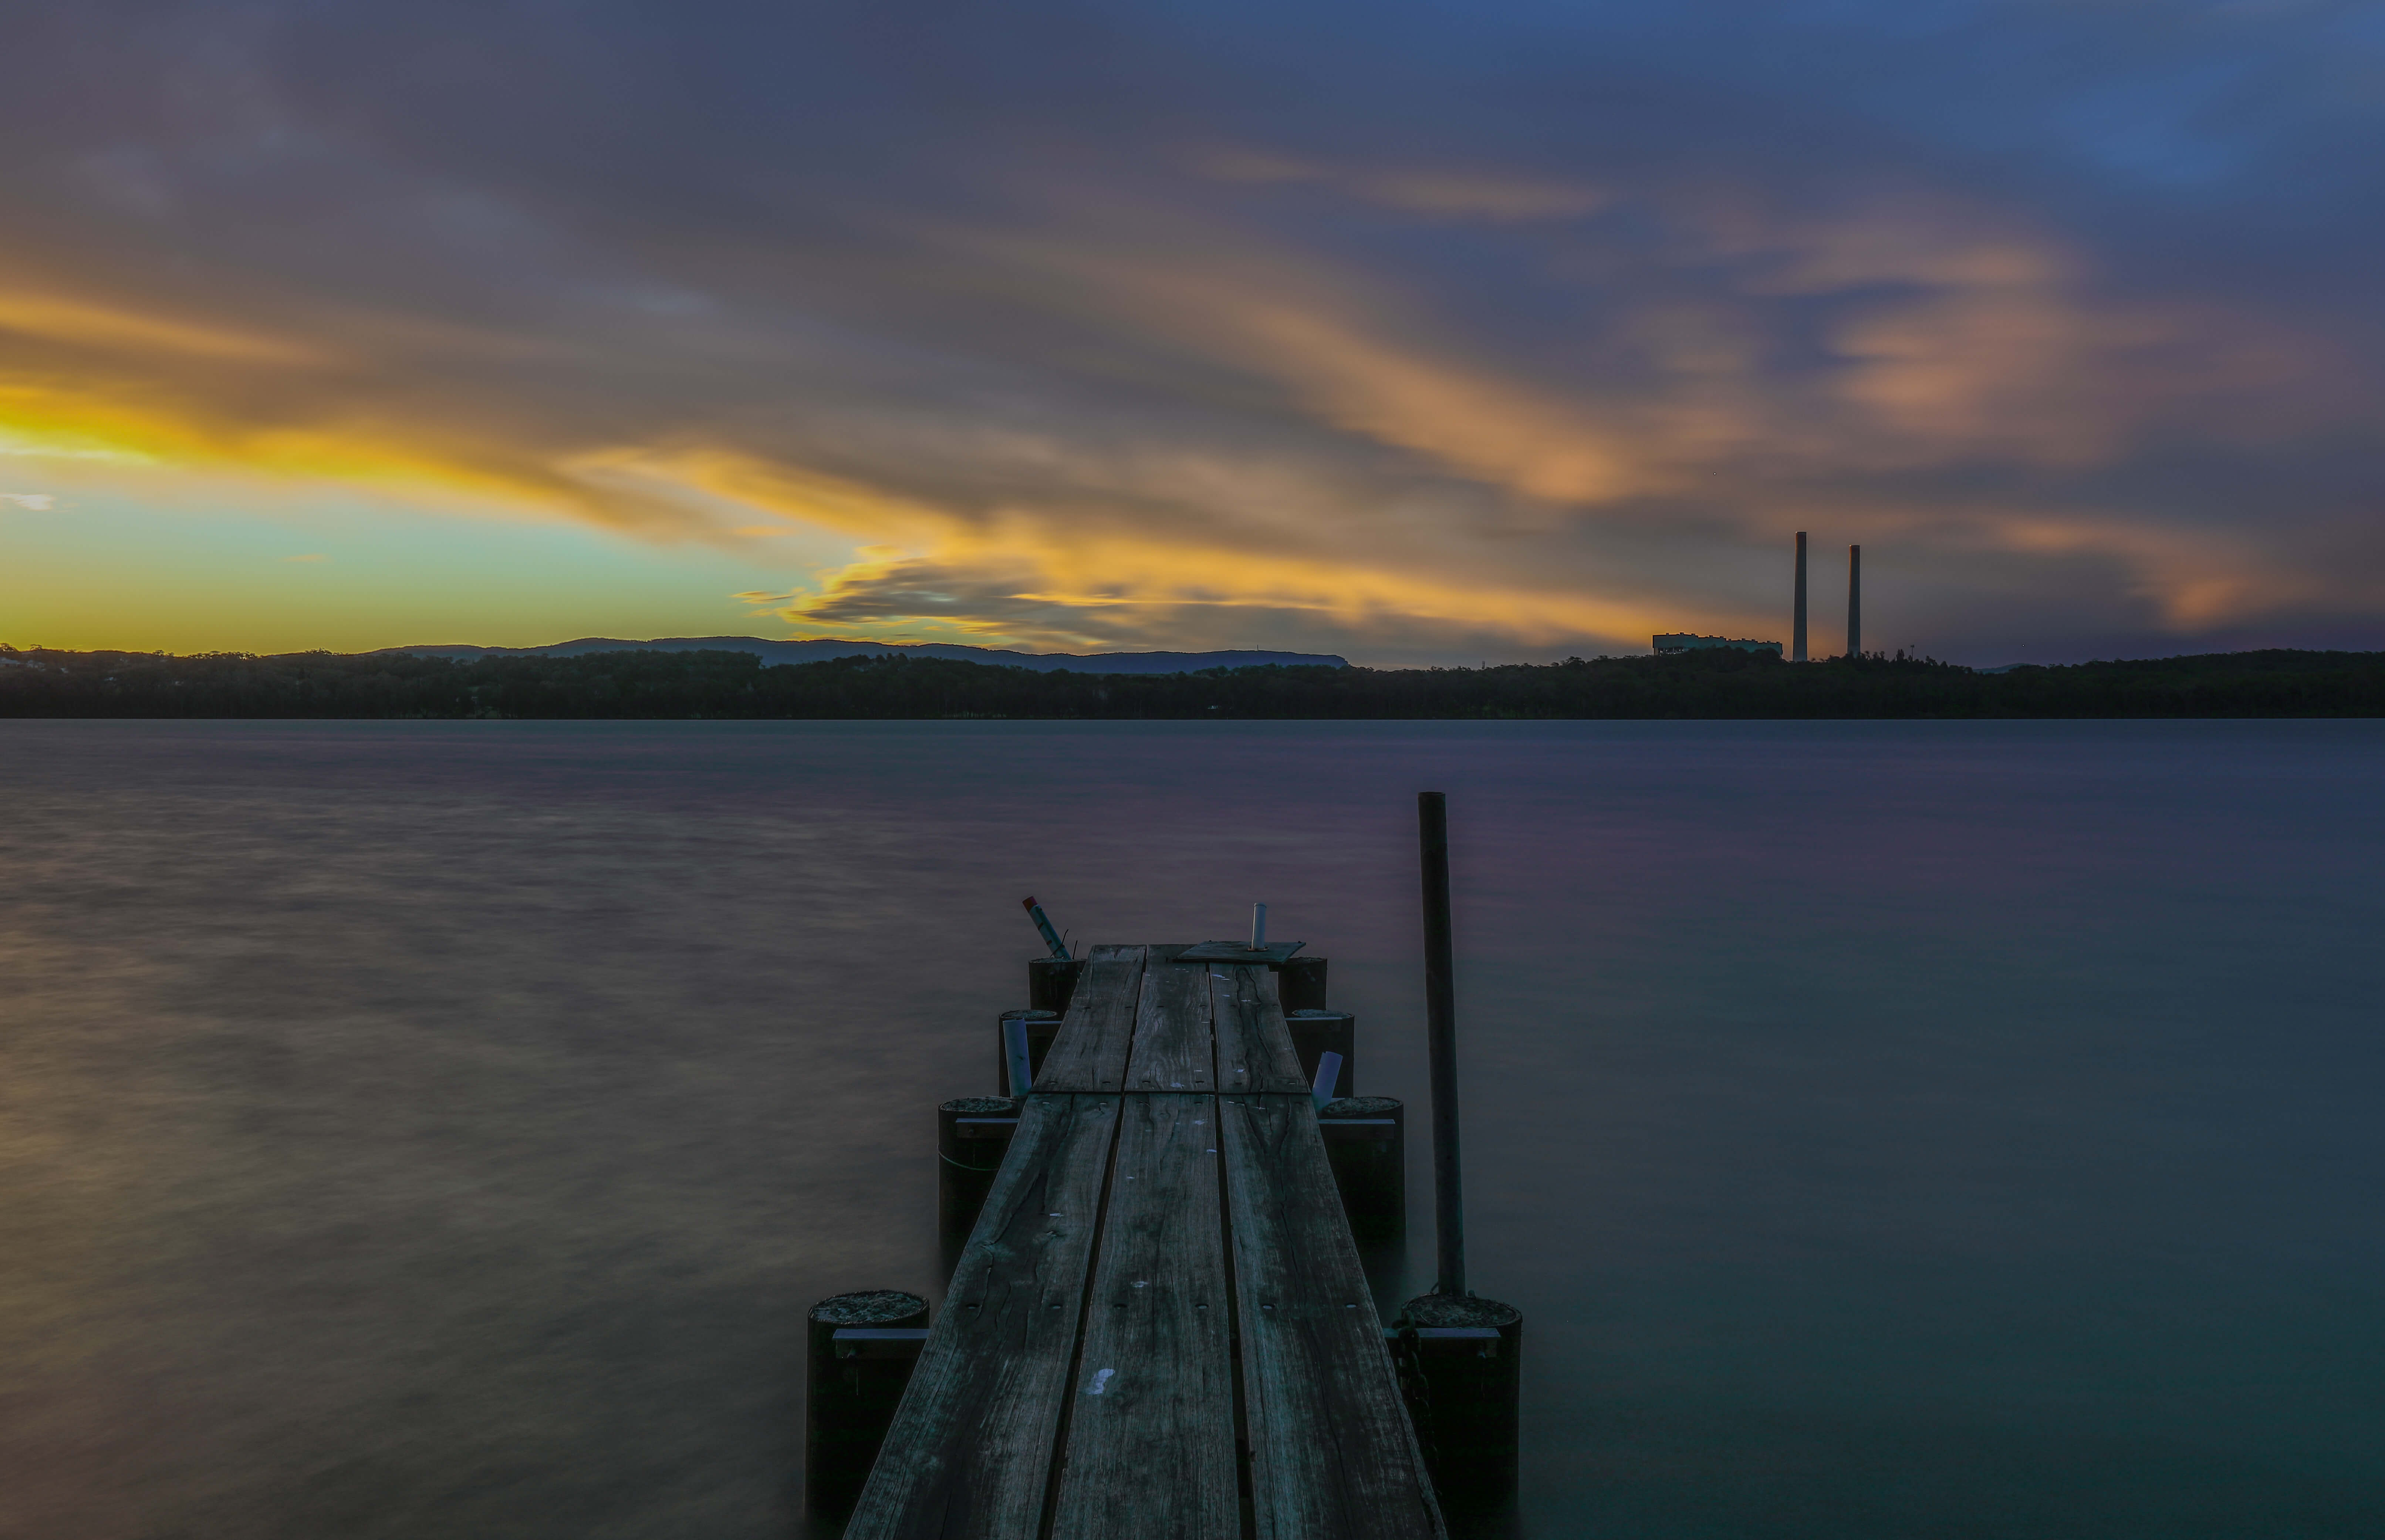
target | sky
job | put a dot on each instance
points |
(1422, 333)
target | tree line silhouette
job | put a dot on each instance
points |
(1717, 683)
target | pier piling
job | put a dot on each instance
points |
(972, 1135)
(1461, 1361)
(1300, 984)
(1050, 982)
(862, 1347)
(1366, 1144)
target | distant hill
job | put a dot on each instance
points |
(822, 651)
(647, 684)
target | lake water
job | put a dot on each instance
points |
(1887, 1129)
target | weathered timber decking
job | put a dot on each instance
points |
(1159, 1326)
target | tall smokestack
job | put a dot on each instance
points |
(1797, 637)
(1854, 601)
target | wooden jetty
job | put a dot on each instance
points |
(1159, 1325)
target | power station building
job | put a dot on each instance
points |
(1692, 644)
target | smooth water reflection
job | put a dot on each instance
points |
(1888, 1130)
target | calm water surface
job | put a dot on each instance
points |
(1888, 1130)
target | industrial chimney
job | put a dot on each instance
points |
(1854, 601)
(1797, 632)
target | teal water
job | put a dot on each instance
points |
(1887, 1129)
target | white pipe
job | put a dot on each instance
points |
(1328, 1070)
(1013, 1042)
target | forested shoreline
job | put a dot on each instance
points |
(638, 684)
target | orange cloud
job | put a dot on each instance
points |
(1477, 193)
(1112, 592)
(2195, 579)
(1233, 426)
(55, 318)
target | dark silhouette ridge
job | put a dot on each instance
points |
(1718, 683)
(825, 649)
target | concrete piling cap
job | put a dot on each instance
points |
(1458, 1309)
(867, 1308)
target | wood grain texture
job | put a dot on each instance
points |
(1090, 1053)
(1151, 1440)
(969, 1455)
(1173, 1049)
(1332, 1455)
(1255, 1050)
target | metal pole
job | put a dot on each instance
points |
(1441, 1021)
(1797, 626)
(1042, 923)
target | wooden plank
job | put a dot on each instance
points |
(1089, 1052)
(1332, 1455)
(1255, 1049)
(1151, 1434)
(1173, 1048)
(1274, 954)
(969, 1455)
